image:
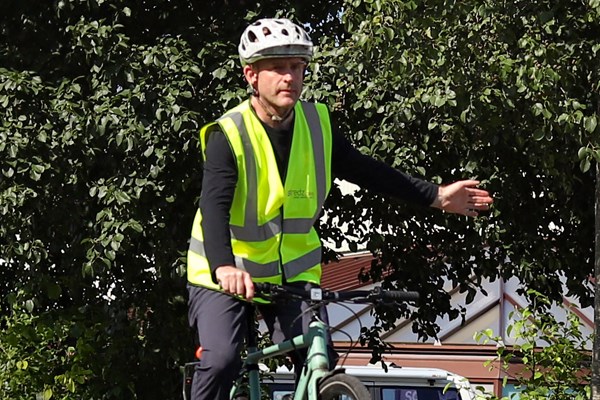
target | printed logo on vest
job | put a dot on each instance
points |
(300, 194)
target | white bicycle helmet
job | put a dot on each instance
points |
(274, 38)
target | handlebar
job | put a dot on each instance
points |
(272, 291)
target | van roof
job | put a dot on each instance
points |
(394, 372)
(398, 372)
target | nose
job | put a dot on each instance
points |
(288, 75)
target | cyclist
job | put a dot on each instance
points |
(268, 168)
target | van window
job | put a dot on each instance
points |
(419, 393)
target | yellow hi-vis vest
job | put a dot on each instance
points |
(272, 222)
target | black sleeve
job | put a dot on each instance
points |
(351, 165)
(218, 187)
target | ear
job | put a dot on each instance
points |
(251, 75)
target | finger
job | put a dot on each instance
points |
(240, 288)
(479, 203)
(478, 192)
(224, 283)
(481, 199)
(469, 183)
(249, 287)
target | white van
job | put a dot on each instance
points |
(398, 383)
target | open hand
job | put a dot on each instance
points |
(464, 198)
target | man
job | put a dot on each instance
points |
(268, 168)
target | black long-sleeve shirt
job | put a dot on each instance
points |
(220, 177)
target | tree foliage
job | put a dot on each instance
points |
(552, 352)
(102, 102)
(503, 92)
(100, 173)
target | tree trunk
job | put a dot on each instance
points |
(596, 346)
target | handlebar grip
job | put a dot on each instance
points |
(399, 295)
(262, 287)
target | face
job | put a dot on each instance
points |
(278, 81)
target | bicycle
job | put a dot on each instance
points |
(316, 380)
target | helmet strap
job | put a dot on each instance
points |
(271, 113)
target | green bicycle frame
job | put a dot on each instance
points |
(316, 366)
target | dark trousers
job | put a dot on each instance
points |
(221, 323)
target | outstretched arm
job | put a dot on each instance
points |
(463, 197)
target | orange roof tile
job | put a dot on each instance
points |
(343, 274)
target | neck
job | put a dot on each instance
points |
(270, 116)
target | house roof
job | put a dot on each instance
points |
(344, 273)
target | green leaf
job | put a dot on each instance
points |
(390, 33)
(135, 225)
(122, 197)
(539, 134)
(220, 73)
(110, 254)
(22, 364)
(149, 151)
(439, 101)
(590, 123)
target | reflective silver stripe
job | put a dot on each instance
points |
(298, 225)
(250, 214)
(256, 233)
(257, 270)
(316, 132)
(197, 247)
(301, 264)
